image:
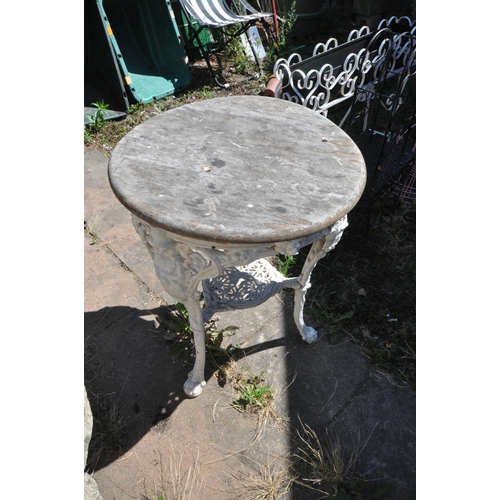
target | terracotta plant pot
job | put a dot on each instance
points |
(273, 87)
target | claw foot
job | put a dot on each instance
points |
(309, 334)
(193, 388)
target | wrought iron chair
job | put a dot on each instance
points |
(216, 14)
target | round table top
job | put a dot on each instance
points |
(242, 169)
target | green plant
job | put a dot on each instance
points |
(234, 50)
(136, 108)
(203, 93)
(254, 395)
(285, 264)
(331, 319)
(86, 134)
(285, 28)
(97, 119)
(214, 337)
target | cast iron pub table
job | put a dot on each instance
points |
(216, 186)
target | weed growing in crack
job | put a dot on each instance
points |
(178, 482)
(322, 466)
(214, 338)
(91, 231)
(269, 481)
(254, 395)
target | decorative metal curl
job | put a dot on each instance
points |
(355, 34)
(322, 88)
(330, 44)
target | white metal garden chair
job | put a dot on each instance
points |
(216, 14)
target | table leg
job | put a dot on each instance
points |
(181, 268)
(318, 250)
(196, 378)
(180, 271)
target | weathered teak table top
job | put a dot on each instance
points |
(216, 186)
(243, 169)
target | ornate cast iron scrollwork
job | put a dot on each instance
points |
(232, 277)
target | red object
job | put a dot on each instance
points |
(273, 87)
(275, 16)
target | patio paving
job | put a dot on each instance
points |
(161, 434)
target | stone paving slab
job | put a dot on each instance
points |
(110, 221)
(128, 369)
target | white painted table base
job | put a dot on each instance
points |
(181, 264)
(217, 185)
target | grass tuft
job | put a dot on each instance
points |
(269, 481)
(325, 468)
(178, 482)
(322, 466)
(255, 397)
(108, 431)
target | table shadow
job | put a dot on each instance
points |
(134, 383)
(134, 376)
